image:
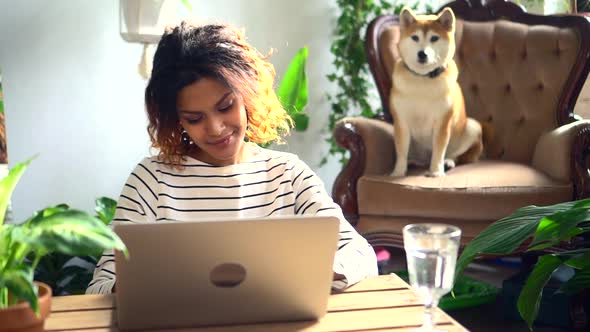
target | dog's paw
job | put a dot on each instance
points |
(449, 164)
(435, 174)
(400, 169)
(398, 173)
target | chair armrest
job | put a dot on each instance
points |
(370, 142)
(581, 163)
(554, 150)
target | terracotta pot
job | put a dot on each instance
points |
(21, 318)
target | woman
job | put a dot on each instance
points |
(209, 100)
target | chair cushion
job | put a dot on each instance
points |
(487, 190)
(387, 224)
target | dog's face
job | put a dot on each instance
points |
(426, 41)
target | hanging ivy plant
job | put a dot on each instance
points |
(582, 6)
(351, 70)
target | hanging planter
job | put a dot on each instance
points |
(144, 21)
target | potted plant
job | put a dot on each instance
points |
(70, 275)
(536, 229)
(24, 304)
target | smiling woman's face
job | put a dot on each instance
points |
(215, 119)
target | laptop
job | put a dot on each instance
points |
(185, 274)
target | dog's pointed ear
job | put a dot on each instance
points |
(447, 19)
(406, 17)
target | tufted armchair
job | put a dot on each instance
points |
(521, 75)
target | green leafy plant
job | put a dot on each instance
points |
(545, 227)
(292, 90)
(188, 5)
(69, 275)
(582, 6)
(351, 69)
(56, 229)
(546, 7)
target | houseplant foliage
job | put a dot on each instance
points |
(546, 7)
(69, 275)
(292, 90)
(582, 6)
(355, 87)
(56, 229)
(547, 226)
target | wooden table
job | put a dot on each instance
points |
(376, 304)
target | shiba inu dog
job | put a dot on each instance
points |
(426, 101)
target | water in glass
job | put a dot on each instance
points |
(431, 251)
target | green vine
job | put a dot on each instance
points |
(351, 70)
(582, 6)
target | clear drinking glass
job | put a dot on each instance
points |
(431, 251)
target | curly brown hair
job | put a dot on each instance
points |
(187, 53)
(3, 152)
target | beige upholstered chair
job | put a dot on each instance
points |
(521, 75)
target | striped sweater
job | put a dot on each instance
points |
(272, 183)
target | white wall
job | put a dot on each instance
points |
(73, 95)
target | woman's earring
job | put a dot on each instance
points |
(185, 138)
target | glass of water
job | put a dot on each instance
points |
(431, 251)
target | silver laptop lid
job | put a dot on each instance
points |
(225, 272)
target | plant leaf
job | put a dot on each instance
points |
(578, 259)
(188, 5)
(39, 215)
(582, 203)
(19, 281)
(105, 208)
(507, 234)
(70, 232)
(5, 241)
(301, 121)
(7, 185)
(292, 90)
(530, 296)
(560, 226)
(543, 245)
(580, 281)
